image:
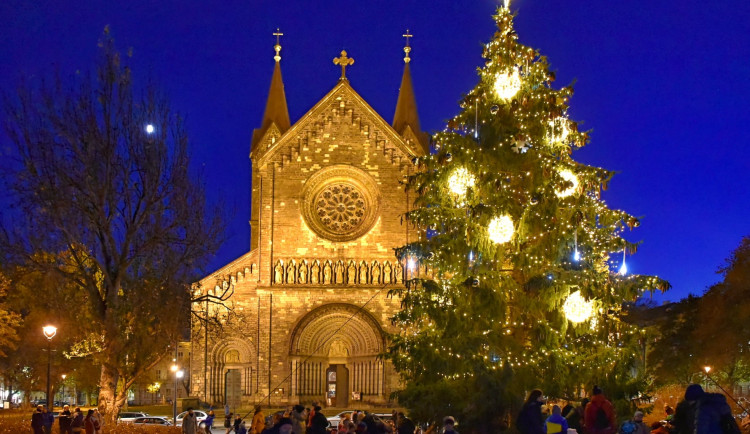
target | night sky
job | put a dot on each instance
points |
(665, 86)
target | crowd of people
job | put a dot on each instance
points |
(70, 422)
(699, 413)
(300, 420)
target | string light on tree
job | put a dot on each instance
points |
(570, 177)
(624, 267)
(507, 84)
(559, 130)
(500, 230)
(577, 309)
(460, 181)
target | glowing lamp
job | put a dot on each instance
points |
(500, 230)
(49, 331)
(572, 179)
(707, 369)
(150, 129)
(180, 373)
(624, 267)
(411, 264)
(507, 84)
(460, 181)
(577, 309)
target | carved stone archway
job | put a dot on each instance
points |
(235, 356)
(337, 336)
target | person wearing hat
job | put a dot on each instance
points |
(448, 425)
(555, 423)
(635, 425)
(599, 416)
(704, 413)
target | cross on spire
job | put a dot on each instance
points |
(407, 49)
(344, 62)
(277, 47)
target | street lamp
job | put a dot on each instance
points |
(707, 369)
(175, 370)
(49, 332)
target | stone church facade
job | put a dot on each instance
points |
(310, 305)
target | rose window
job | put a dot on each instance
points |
(340, 207)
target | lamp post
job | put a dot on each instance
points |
(707, 369)
(175, 370)
(49, 332)
(62, 398)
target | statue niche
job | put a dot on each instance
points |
(351, 273)
(375, 271)
(314, 272)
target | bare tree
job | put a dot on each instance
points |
(101, 174)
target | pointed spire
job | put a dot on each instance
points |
(276, 109)
(406, 107)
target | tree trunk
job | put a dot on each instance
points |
(108, 396)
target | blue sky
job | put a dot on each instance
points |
(664, 86)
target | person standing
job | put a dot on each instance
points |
(575, 416)
(37, 420)
(704, 413)
(65, 419)
(555, 423)
(599, 415)
(318, 423)
(99, 421)
(259, 421)
(405, 425)
(529, 420)
(77, 424)
(90, 423)
(189, 422)
(209, 421)
(228, 422)
(48, 419)
(299, 420)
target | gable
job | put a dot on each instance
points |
(341, 108)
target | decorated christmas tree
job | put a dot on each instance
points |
(521, 276)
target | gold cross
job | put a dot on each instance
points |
(407, 35)
(344, 62)
(407, 49)
(277, 47)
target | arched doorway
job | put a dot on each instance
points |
(333, 355)
(231, 374)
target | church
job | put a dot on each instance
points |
(310, 306)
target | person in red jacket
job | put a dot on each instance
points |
(599, 415)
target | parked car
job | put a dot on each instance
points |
(152, 420)
(130, 416)
(199, 415)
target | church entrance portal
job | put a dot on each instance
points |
(334, 351)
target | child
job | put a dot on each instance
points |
(556, 423)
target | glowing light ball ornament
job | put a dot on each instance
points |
(570, 177)
(460, 181)
(500, 230)
(577, 309)
(507, 84)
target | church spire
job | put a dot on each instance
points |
(276, 110)
(406, 106)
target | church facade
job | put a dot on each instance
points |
(310, 299)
